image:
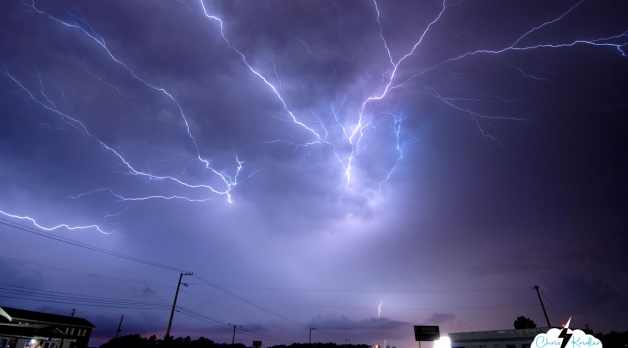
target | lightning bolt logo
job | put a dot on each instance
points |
(565, 335)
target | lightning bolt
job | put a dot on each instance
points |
(565, 335)
(41, 96)
(400, 146)
(379, 309)
(46, 102)
(346, 126)
(50, 229)
(82, 27)
(354, 133)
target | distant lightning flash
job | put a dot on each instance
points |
(379, 309)
(347, 127)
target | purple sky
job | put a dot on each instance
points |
(350, 166)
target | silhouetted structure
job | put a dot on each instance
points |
(521, 338)
(22, 328)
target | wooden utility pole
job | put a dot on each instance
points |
(174, 304)
(119, 326)
(542, 305)
(234, 329)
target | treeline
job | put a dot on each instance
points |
(613, 339)
(136, 341)
(321, 345)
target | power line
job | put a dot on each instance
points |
(32, 294)
(60, 299)
(194, 294)
(87, 246)
(202, 317)
(250, 303)
(357, 290)
(367, 308)
(131, 258)
(84, 273)
(99, 302)
(226, 326)
(558, 313)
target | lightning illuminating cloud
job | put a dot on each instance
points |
(345, 127)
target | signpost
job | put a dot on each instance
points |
(426, 333)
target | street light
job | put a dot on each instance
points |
(312, 328)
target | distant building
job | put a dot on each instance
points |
(517, 338)
(21, 328)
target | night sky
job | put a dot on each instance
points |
(350, 166)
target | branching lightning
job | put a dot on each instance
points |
(344, 129)
(48, 228)
(41, 97)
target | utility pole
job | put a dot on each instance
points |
(310, 340)
(542, 305)
(234, 328)
(174, 304)
(119, 326)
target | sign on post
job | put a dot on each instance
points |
(426, 333)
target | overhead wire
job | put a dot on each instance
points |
(357, 290)
(250, 303)
(204, 281)
(555, 312)
(6, 222)
(84, 273)
(227, 326)
(32, 294)
(195, 294)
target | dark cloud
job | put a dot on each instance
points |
(441, 318)
(473, 179)
(369, 329)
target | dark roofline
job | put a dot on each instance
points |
(47, 331)
(46, 318)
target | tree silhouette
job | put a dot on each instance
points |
(524, 323)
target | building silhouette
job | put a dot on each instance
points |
(22, 328)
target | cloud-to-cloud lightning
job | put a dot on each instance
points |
(346, 127)
(52, 228)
